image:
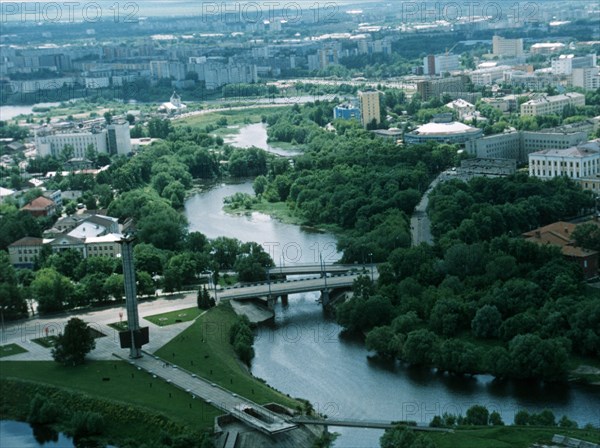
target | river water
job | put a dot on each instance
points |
(304, 353)
(10, 112)
(23, 435)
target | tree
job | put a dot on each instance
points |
(114, 285)
(477, 415)
(496, 419)
(487, 321)
(108, 117)
(72, 345)
(587, 236)
(420, 346)
(383, 341)
(260, 185)
(204, 300)
(12, 302)
(52, 290)
(405, 438)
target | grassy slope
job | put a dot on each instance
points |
(127, 389)
(507, 437)
(204, 348)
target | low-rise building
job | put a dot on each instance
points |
(24, 252)
(446, 132)
(463, 108)
(575, 162)
(40, 206)
(346, 111)
(560, 234)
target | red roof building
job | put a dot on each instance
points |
(40, 206)
(560, 234)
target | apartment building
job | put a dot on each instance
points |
(547, 105)
(507, 47)
(369, 106)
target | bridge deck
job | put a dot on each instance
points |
(374, 424)
(288, 287)
(317, 268)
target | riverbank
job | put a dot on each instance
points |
(509, 436)
(204, 349)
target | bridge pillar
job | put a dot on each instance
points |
(325, 297)
(271, 302)
(284, 299)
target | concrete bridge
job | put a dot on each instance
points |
(314, 268)
(282, 288)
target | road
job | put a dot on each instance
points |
(420, 225)
(299, 269)
(290, 287)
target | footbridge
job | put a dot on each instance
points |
(371, 424)
(272, 289)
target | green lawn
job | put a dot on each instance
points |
(204, 348)
(234, 117)
(47, 341)
(174, 317)
(119, 326)
(125, 385)
(11, 349)
(507, 437)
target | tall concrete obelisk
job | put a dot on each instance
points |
(133, 319)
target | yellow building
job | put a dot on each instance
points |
(369, 106)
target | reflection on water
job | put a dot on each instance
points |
(22, 435)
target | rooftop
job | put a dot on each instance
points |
(39, 203)
(453, 127)
(27, 241)
(574, 151)
(558, 234)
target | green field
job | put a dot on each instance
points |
(116, 382)
(174, 317)
(234, 117)
(204, 349)
(507, 437)
(11, 349)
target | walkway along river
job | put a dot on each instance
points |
(305, 355)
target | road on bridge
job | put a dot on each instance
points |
(291, 286)
(299, 269)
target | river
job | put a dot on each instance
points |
(10, 112)
(23, 435)
(305, 355)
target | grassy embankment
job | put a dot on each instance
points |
(204, 349)
(508, 437)
(134, 404)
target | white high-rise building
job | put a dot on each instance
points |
(440, 63)
(114, 139)
(507, 47)
(369, 106)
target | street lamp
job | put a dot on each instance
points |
(371, 256)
